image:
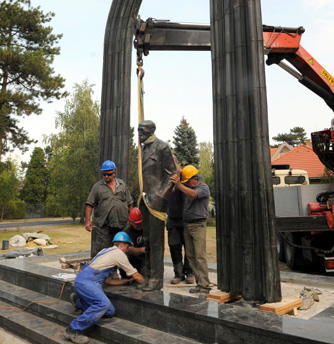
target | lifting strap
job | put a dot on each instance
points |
(140, 74)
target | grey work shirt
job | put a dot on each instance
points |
(110, 209)
(195, 209)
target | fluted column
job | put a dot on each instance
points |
(246, 239)
(116, 85)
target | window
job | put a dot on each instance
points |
(294, 180)
(276, 180)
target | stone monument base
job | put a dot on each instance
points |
(153, 317)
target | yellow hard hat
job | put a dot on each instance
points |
(188, 172)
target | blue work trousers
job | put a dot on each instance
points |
(92, 299)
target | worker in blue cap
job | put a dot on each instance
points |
(109, 202)
(89, 297)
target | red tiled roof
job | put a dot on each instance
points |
(273, 151)
(303, 158)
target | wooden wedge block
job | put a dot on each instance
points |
(287, 304)
(294, 312)
(81, 260)
(222, 297)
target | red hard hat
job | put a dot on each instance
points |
(135, 215)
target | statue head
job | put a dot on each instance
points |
(145, 130)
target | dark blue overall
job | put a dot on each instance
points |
(92, 299)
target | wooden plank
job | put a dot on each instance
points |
(75, 261)
(218, 295)
(287, 304)
(222, 297)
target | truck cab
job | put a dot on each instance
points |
(283, 175)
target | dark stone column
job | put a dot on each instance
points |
(116, 85)
(116, 88)
(246, 239)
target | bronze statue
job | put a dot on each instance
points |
(158, 166)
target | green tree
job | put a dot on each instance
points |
(27, 51)
(34, 190)
(74, 159)
(185, 144)
(205, 160)
(297, 136)
(327, 177)
(206, 165)
(9, 187)
(133, 182)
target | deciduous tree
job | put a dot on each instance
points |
(27, 51)
(205, 160)
(133, 182)
(9, 186)
(74, 160)
(206, 165)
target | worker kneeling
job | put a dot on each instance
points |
(90, 296)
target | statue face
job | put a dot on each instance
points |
(144, 132)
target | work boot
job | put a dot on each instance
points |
(177, 280)
(74, 300)
(195, 290)
(203, 294)
(75, 337)
(190, 279)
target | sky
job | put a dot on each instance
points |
(179, 84)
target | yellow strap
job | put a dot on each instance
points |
(158, 214)
(140, 119)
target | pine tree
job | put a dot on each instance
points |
(27, 51)
(297, 136)
(185, 144)
(34, 190)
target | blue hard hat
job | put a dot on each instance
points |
(122, 237)
(108, 165)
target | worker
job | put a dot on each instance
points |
(111, 201)
(175, 230)
(195, 213)
(90, 296)
(136, 253)
(157, 166)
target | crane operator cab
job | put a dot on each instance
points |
(323, 145)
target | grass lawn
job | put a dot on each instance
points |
(74, 238)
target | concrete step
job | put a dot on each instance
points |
(32, 328)
(115, 330)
